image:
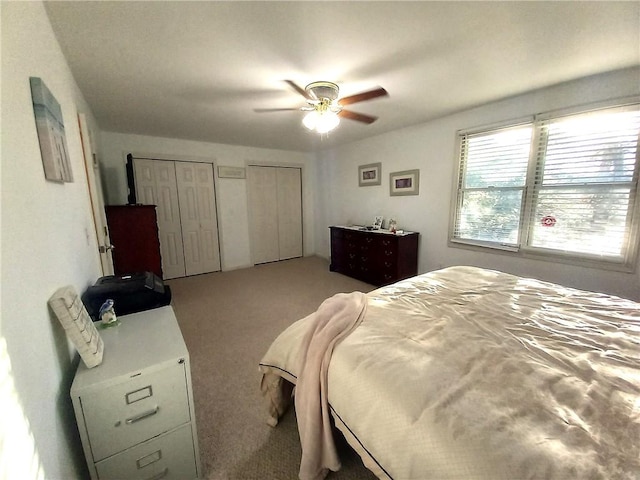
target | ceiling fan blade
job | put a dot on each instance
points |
(264, 110)
(299, 89)
(361, 97)
(358, 117)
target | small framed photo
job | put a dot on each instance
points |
(404, 183)
(377, 224)
(369, 175)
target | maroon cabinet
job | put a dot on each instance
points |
(375, 257)
(134, 234)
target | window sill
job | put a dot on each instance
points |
(515, 252)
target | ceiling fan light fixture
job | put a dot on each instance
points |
(327, 122)
(321, 90)
(310, 120)
(324, 106)
(321, 121)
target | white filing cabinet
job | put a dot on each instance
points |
(135, 410)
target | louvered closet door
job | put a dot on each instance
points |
(198, 217)
(289, 212)
(156, 185)
(263, 208)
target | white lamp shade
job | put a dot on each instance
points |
(327, 122)
(310, 120)
(321, 122)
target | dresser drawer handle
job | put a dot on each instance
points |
(143, 415)
(160, 475)
(388, 252)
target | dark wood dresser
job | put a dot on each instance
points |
(375, 257)
(134, 234)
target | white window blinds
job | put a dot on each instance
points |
(585, 183)
(557, 186)
(491, 185)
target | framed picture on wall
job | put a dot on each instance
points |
(51, 136)
(404, 183)
(369, 175)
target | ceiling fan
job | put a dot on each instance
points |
(325, 107)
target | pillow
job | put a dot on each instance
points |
(69, 309)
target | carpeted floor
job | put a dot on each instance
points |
(228, 320)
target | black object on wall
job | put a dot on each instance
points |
(131, 184)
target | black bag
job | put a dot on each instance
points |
(130, 293)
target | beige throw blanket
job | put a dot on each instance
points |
(334, 320)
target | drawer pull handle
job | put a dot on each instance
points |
(143, 415)
(149, 459)
(160, 475)
(139, 394)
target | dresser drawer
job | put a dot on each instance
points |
(388, 254)
(375, 257)
(168, 457)
(130, 412)
(387, 247)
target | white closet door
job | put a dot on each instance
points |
(289, 186)
(145, 180)
(263, 210)
(198, 217)
(156, 185)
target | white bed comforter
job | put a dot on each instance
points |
(467, 373)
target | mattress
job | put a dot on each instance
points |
(467, 373)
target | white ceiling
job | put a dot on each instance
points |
(196, 70)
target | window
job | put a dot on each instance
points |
(563, 187)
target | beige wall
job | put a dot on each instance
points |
(431, 148)
(48, 239)
(231, 194)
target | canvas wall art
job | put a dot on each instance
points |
(51, 136)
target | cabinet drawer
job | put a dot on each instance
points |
(132, 411)
(168, 457)
(388, 254)
(376, 257)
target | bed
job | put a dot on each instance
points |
(468, 373)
